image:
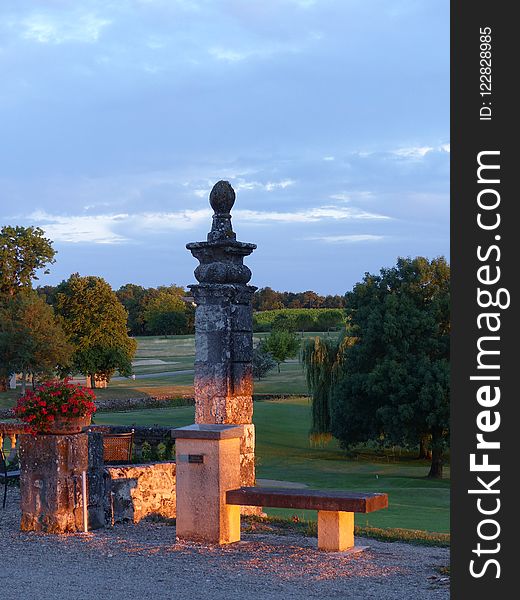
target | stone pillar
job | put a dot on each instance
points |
(50, 482)
(51, 468)
(224, 329)
(208, 466)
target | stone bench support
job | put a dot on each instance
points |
(335, 530)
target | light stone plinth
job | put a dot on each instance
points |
(208, 465)
(335, 530)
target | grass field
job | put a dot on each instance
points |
(159, 367)
(283, 453)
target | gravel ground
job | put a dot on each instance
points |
(144, 561)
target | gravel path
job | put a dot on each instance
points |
(144, 561)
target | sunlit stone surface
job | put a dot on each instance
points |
(50, 483)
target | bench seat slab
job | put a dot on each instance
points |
(335, 530)
(329, 500)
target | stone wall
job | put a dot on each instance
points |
(139, 491)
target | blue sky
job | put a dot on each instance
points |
(330, 119)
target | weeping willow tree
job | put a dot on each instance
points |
(321, 359)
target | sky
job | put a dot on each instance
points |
(330, 118)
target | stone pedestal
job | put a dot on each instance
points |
(208, 465)
(224, 330)
(51, 482)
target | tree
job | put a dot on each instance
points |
(266, 299)
(322, 358)
(330, 319)
(23, 251)
(283, 322)
(282, 345)
(32, 340)
(166, 312)
(96, 325)
(394, 382)
(133, 298)
(310, 299)
(263, 362)
(303, 322)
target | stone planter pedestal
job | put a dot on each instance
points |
(51, 482)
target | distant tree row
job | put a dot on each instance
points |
(268, 299)
(165, 310)
(299, 319)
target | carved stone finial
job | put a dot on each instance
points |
(221, 257)
(222, 197)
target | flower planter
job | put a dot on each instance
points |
(68, 425)
(56, 407)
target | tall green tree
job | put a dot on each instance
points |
(322, 360)
(96, 324)
(262, 362)
(134, 298)
(23, 251)
(394, 382)
(166, 313)
(281, 344)
(32, 339)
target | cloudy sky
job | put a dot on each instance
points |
(329, 117)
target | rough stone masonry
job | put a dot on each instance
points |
(224, 329)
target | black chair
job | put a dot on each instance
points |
(6, 474)
(117, 448)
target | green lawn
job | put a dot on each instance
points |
(158, 355)
(283, 453)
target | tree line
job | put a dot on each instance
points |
(268, 299)
(169, 310)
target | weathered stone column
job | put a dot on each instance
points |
(224, 329)
(51, 482)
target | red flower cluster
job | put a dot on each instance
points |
(54, 399)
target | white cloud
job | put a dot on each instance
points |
(95, 229)
(310, 215)
(419, 152)
(279, 184)
(53, 29)
(349, 197)
(329, 158)
(342, 197)
(106, 228)
(413, 152)
(347, 239)
(265, 50)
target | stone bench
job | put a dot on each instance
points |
(335, 509)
